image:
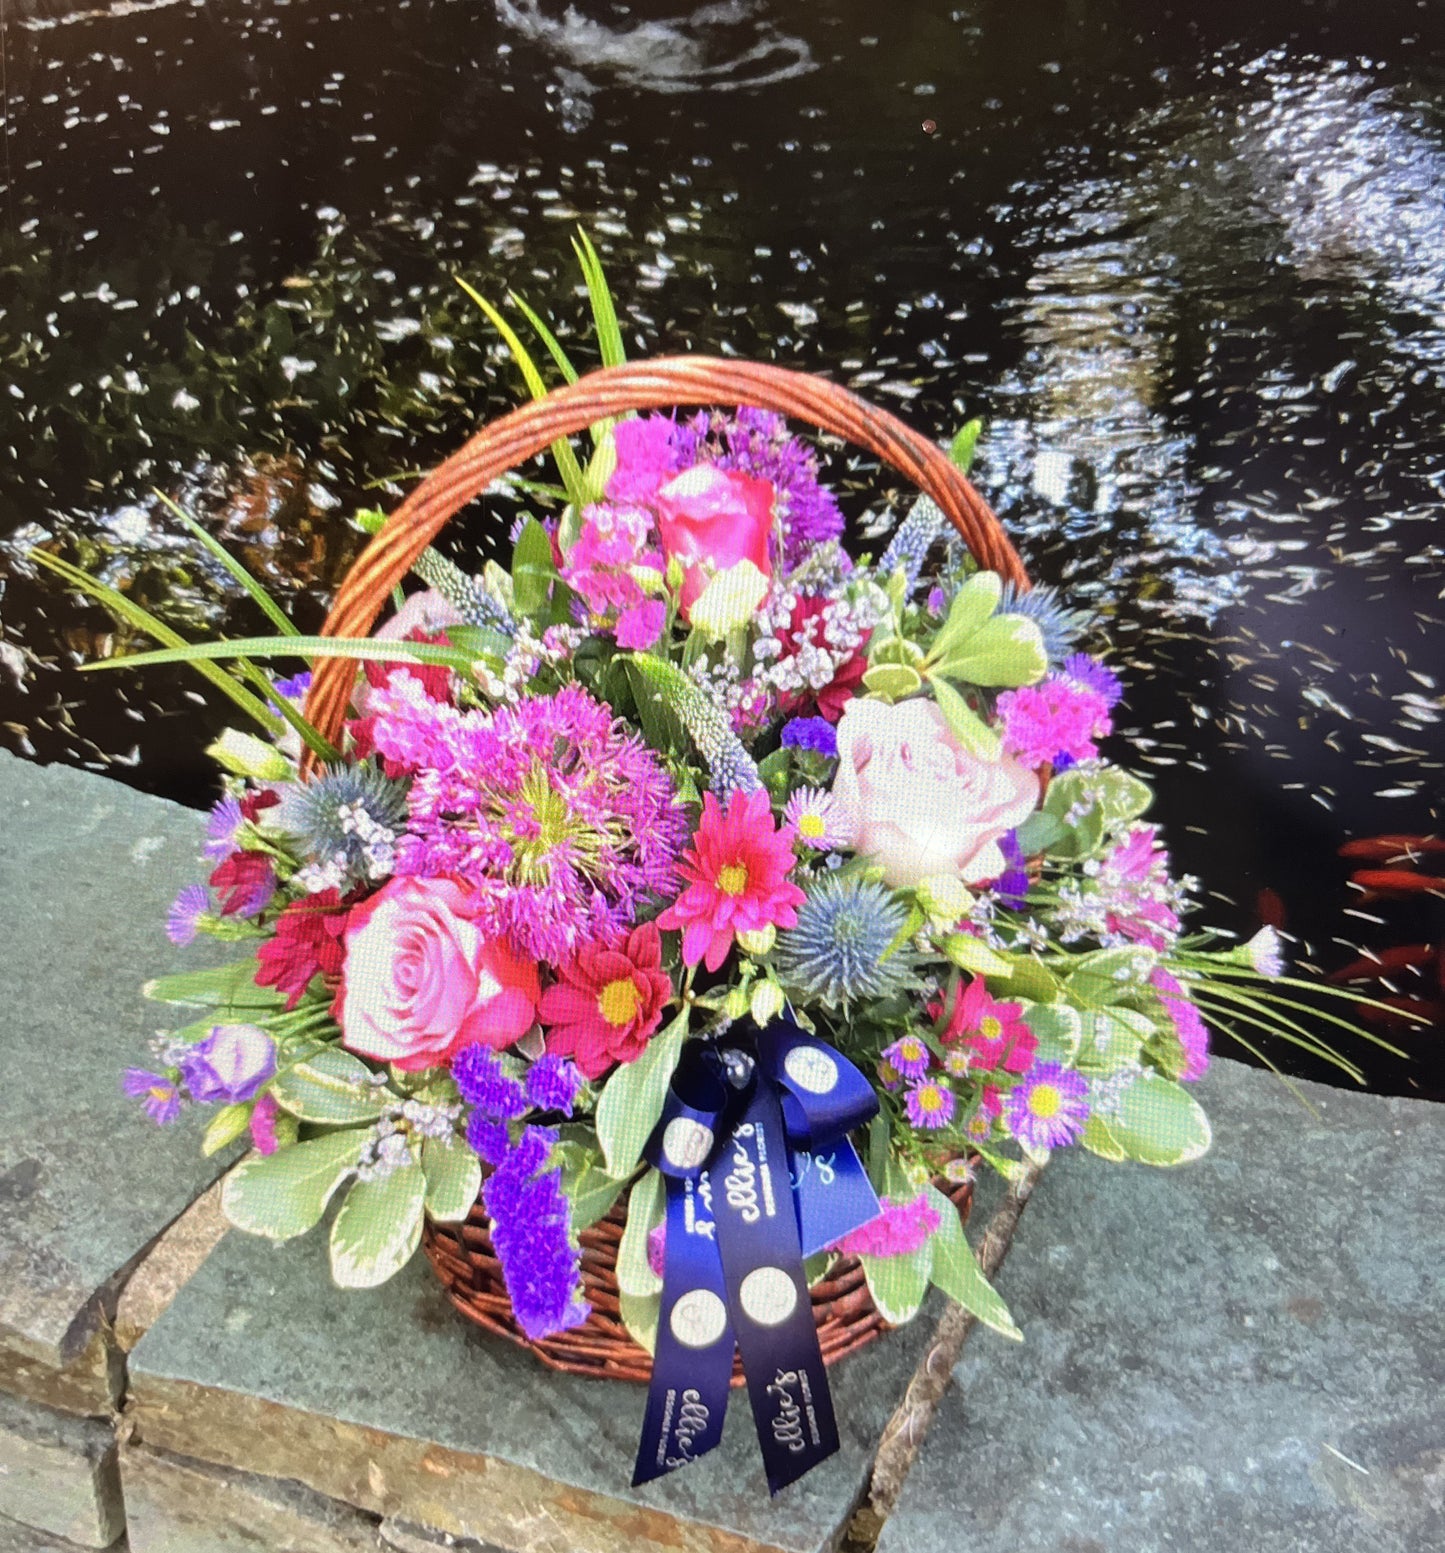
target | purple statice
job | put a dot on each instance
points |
(1099, 677)
(1011, 888)
(553, 1083)
(183, 920)
(562, 823)
(758, 443)
(293, 689)
(489, 1137)
(1048, 1107)
(484, 1083)
(223, 827)
(815, 734)
(162, 1097)
(530, 1222)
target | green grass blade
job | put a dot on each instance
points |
(550, 340)
(604, 314)
(142, 619)
(363, 648)
(1273, 1067)
(567, 465)
(309, 734)
(269, 607)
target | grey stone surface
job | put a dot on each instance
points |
(15, 1538)
(388, 1400)
(59, 1474)
(177, 1506)
(87, 871)
(1245, 1353)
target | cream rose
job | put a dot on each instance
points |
(421, 980)
(920, 805)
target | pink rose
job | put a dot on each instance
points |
(421, 980)
(710, 519)
(921, 805)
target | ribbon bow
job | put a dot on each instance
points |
(753, 1146)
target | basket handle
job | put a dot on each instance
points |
(656, 384)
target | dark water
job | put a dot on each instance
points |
(1191, 270)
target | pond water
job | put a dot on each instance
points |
(1190, 271)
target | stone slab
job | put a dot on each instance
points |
(177, 1506)
(388, 1400)
(87, 870)
(15, 1538)
(1244, 1353)
(59, 1474)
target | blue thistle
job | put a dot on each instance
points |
(346, 819)
(835, 954)
(1059, 625)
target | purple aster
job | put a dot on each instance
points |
(484, 1083)
(553, 1084)
(930, 1105)
(1012, 885)
(563, 823)
(222, 828)
(530, 1222)
(184, 917)
(815, 734)
(1048, 1107)
(162, 1098)
(293, 689)
(909, 1056)
(1099, 677)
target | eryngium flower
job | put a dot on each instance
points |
(348, 817)
(1059, 625)
(835, 954)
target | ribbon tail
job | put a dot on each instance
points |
(833, 1193)
(692, 1367)
(762, 1263)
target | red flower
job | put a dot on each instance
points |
(805, 628)
(253, 803)
(246, 882)
(607, 1001)
(993, 1033)
(308, 943)
(738, 866)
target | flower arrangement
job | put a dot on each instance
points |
(690, 813)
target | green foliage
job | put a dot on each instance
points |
(1003, 652)
(453, 1178)
(632, 1099)
(533, 571)
(228, 989)
(590, 1190)
(972, 605)
(646, 1208)
(1158, 1123)
(378, 1227)
(898, 1284)
(955, 1270)
(330, 1087)
(640, 1315)
(965, 441)
(284, 1194)
(225, 1127)
(972, 733)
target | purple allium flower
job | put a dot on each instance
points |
(231, 1064)
(1099, 677)
(162, 1098)
(816, 734)
(909, 1056)
(819, 819)
(562, 822)
(1048, 1107)
(553, 1083)
(930, 1105)
(222, 828)
(1012, 885)
(530, 1220)
(183, 919)
(484, 1083)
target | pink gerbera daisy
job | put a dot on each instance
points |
(737, 871)
(993, 1033)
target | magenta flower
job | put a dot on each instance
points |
(901, 1228)
(1048, 1107)
(1138, 896)
(1060, 717)
(641, 625)
(908, 1056)
(737, 870)
(602, 566)
(263, 1123)
(162, 1098)
(930, 1105)
(1188, 1026)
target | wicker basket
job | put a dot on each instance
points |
(462, 1253)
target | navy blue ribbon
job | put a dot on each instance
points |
(753, 1147)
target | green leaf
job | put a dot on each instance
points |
(1099, 1140)
(225, 1127)
(378, 1227)
(604, 314)
(453, 1178)
(550, 340)
(972, 733)
(330, 1086)
(532, 570)
(632, 1099)
(1034, 981)
(590, 1191)
(244, 755)
(226, 988)
(1119, 796)
(1158, 1123)
(640, 1314)
(1107, 1041)
(365, 648)
(1005, 651)
(1058, 1025)
(892, 681)
(645, 1211)
(1105, 977)
(899, 1283)
(269, 607)
(1039, 832)
(283, 1194)
(974, 602)
(956, 1271)
(973, 955)
(965, 440)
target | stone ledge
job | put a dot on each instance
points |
(59, 1474)
(87, 869)
(15, 1538)
(1242, 1353)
